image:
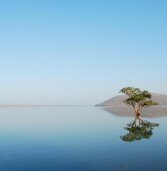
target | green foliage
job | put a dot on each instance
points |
(137, 132)
(137, 98)
(130, 91)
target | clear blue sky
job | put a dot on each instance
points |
(80, 51)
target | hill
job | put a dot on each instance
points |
(118, 100)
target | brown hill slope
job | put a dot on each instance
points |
(118, 100)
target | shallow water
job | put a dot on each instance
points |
(76, 138)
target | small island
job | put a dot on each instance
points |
(117, 107)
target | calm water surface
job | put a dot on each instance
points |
(76, 139)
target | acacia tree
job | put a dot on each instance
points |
(137, 99)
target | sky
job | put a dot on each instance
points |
(80, 52)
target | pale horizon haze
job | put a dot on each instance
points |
(75, 52)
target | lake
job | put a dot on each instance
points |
(76, 138)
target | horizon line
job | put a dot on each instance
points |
(31, 105)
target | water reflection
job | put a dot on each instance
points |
(139, 129)
(152, 112)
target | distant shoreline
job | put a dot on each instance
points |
(22, 106)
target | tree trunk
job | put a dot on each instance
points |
(137, 114)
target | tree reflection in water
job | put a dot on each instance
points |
(139, 129)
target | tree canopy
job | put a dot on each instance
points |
(137, 99)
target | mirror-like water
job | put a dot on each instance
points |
(77, 138)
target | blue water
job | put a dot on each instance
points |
(76, 139)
